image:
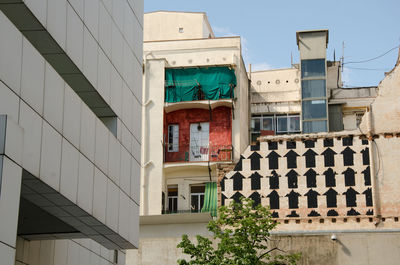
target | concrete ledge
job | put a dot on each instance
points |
(198, 104)
(183, 218)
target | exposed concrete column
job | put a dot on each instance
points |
(152, 162)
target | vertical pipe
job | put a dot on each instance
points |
(373, 174)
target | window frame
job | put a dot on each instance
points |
(275, 125)
(174, 146)
(198, 195)
(172, 200)
(309, 100)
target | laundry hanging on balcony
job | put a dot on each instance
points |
(210, 83)
(210, 199)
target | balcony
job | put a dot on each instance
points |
(182, 211)
(198, 104)
(199, 153)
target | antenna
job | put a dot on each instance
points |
(291, 59)
(342, 59)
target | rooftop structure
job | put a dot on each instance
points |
(308, 97)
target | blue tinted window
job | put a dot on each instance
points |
(313, 68)
(314, 109)
(313, 88)
(314, 126)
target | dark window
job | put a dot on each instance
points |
(313, 88)
(173, 199)
(314, 109)
(173, 138)
(196, 198)
(314, 126)
(312, 68)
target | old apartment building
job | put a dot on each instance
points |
(70, 130)
(334, 194)
(316, 157)
(195, 116)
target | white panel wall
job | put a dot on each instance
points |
(57, 20)
(32, 124)
(61, 252)
(32, 80)
(53, 98)
(50, 161)
(64, 143)
(10, 54)
(9, 205)
(9, 201)
(69, 171)
(9, 102)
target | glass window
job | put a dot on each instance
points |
(173, 138)
(173, 199)
(254, 137)
(314, 109)
(294, 123)
(276, 124)
(314, 126)
(312, 68)
(268, 123)
(197, 198)
(281, 124)
(256, 124)
(313, 88)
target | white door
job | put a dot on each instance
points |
(199, 140)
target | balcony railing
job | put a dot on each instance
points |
(180, 211)
(199, 153)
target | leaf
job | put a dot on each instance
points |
(241, 236)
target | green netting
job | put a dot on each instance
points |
(213, 82)
(210, 199)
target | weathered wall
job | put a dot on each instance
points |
(276, 91)
(321, 177)
(385, 109)
(220, 130)
(183, 53)
(164, 25)
(66, 252)
(316, 249)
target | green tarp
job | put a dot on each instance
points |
(184, 84)
(210, 199)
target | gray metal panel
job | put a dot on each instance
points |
(3, 127)
(335, 118)
(1, 173)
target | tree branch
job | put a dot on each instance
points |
(266, 253)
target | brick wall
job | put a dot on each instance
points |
(220, 128)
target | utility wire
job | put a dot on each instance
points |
(369, 69)
(368, 60)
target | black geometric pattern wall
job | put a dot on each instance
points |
(304, 178)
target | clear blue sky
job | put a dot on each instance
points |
(268, 28)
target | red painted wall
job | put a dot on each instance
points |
(220, 131)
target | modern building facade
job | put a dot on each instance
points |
(195, 116)
(70, 130)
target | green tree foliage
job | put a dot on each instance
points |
(241, 237)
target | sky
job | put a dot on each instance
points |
(368, 28)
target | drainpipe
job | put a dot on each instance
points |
(377, 215)
(249, 105)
